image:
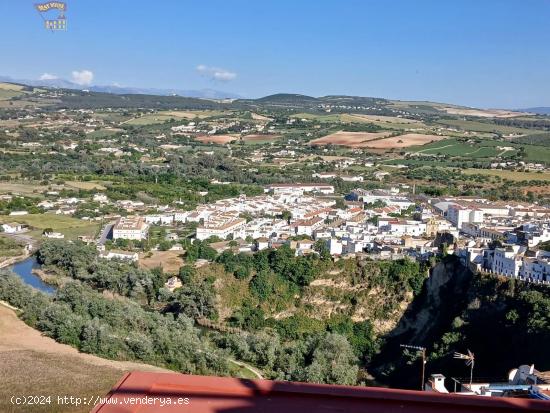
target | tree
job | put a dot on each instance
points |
(261, 285)
(286, 215)
(332, 362)
(187, 273)
(194, 301)
(321, 247)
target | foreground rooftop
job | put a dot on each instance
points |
(216, 394)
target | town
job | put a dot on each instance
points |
(503, 238)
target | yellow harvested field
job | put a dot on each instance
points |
(21, 188)
(351, 139)
(256, 116)
(219, 139)
(10, 86)
(483, 113)
(403, 141)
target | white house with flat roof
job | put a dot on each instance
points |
(132, 228)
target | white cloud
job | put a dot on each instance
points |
(47, 76)
(82, 77)
(216, 73)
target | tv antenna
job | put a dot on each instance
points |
(422, 351)
(470, 361)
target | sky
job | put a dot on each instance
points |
(482, 53)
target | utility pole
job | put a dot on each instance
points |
(422, 351)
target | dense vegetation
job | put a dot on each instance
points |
(153, 325)
(505, 322)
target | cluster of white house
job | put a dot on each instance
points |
(498, 237)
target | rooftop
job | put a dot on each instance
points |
(231, 395)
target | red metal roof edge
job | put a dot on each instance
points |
(145, 383)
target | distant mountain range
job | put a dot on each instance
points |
(121, 90)
(540, 110)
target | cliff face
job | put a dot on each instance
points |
(505, 322)
(443, 297)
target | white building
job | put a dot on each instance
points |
(54, 235)
(12, 227)
(322, 188)
(120, 255)
(459, 215)
(232, 227)
(101, 198)
(506, 261)
(133, 228)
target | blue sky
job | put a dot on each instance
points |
(480, 53)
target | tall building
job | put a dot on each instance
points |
(134, 228)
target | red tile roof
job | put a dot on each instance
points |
(136, 392)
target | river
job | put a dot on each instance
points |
(24, 270)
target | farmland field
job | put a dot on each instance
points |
(104, 133)
(473, 149)
(403, 141)
(379, 118)
(350, 139)
(219, 139)
(70, 227)
(510, 175)
(8, 90)
(26, 189)
(482, 113)
(484, 127)
(260, 138)
(478, 149)
(86, 185)
(164, 116)
(10, 86)
(169, 261)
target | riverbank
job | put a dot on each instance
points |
(14, 260)
(49, 278)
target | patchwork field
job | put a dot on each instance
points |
(350, 139)
(219, 139)
(471, 149)
(404, 141)
(164, 116)
(387, 122)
